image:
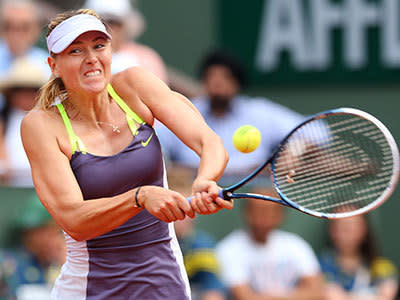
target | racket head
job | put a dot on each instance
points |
(349, 166)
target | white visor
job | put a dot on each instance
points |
(67, 31)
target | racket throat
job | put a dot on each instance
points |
(226, 195)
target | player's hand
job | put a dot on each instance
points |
(205, 198)
(167, 205)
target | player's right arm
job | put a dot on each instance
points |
(60, 193)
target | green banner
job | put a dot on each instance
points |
(316, 41)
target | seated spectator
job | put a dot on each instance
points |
(352, 266)
(7, 267)
(39, 255)
(225, 109)
(198, 247)
(202, 267)
(263, 262)
(20, 30)
(19, 86)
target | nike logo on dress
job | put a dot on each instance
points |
(145, 143)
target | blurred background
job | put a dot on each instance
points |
(309, 55)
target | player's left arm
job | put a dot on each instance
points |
(177, 113)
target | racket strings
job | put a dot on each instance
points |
(338, 163)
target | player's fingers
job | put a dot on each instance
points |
(184, 205)
(213, 191)
(211, 206)
(177, 213)
(198, 204)
(194, 204)
(162, 217)
(224, 203)
(166, 211)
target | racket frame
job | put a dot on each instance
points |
(228, 192)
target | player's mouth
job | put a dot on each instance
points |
(92, 73)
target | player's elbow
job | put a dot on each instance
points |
(225, 154)
(77, 234)
(75, 228)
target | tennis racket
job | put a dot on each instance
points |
(338, 163)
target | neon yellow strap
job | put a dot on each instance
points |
(75, 141)
(131, 116)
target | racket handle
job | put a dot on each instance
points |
(220, 194)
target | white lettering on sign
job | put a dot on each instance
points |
(390, 35)
(305, 32)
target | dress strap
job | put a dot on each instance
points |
(75, 141)
(131, 117)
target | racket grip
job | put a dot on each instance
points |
(220, 194)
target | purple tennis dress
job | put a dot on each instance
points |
(140, 259)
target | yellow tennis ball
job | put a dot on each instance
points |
(246, 138)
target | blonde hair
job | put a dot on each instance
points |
(55, 87)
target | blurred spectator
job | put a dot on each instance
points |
(198, 247)
(7, 267)
(352, 266)
(39, 256)
(127, 24)
(20, 29)
(19, 86)
(225, 109)
(263, 262)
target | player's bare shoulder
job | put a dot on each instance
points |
(34, 120)
(40, 125)
(125, 82)
(134, 86)
(128, 76)
(39, 117)
(136, 80)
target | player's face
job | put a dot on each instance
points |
(262, 217)
(85, 65)
(348, 234)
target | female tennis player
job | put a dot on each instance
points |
(97, 167)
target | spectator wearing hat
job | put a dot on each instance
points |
(126, 24)
(19, 87)
(39, 254)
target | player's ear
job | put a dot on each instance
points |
(53, 66)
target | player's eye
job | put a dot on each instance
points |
(99, 46)
(75, 51)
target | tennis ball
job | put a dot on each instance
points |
(246, 138)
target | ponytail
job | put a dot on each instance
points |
(49, 92)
